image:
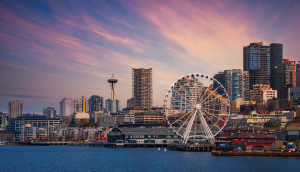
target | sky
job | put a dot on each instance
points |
(55, 49)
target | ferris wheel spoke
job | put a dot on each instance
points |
(211, 93)
(212, 115)
(219, 96)
(206, 128)
(188, 127)
(185, 121)
(203, 95)
(212, 121)
(181, 118)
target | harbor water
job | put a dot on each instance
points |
(84, 158)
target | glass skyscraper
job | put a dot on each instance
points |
(235, 81)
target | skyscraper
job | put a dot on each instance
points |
(77, 103)
(298, 74)
(15, 109)
(256, 60)
(276, 58)
(236, 82)
(289, 73)
(66, 107)
(49, 112)
(96, 103)
(142, 87)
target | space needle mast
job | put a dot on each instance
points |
(112, 82)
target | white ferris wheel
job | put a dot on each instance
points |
(197, 107)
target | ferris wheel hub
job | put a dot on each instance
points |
(198, 106)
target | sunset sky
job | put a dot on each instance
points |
(55, 49)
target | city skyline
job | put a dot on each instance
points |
(51, 50)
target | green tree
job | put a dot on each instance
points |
(73, 123)
(268, 124)
(85, 124)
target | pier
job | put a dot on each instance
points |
(255, 153)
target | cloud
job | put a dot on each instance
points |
(23, 96)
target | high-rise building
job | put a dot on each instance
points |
(15, 109)
(298, 74)
(256, 60)
(142, 87)
(236, 82)
(49, 112)
(96, 103)
(66, 107)
(276, 59)
(77, 103)
(289, 73)
(112, 105)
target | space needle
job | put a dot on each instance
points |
(112, 82)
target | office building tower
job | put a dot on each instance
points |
(289, 73)
(112, 105)
(236, 82)
(15, 109)
(276, 59)
(66, 107)
(77, 103)
(298, 74)
(49, 112)
(142, 87)
(96, 103)
(256, 60)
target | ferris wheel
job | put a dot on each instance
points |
(197, 107)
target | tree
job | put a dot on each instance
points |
(93, 124)
(85, 124)
(73, 123)
(268, 124)
(276, 125)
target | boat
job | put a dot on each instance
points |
(165, 149)
(1, 143)
(158, 148)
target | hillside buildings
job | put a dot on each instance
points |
(15, 109)
(262, 93)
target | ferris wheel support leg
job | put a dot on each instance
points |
(188, 128)
(207, 131)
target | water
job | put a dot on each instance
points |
(69, 158)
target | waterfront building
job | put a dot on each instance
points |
(15, 109)
(142, 87)
(106, 120)
(235, 81)
(96, 103)
(276, 58)
(262, 93)
(298, 74)
(41, 127)
(289, 73)
(256, 60)
(66, 107)
(49, 112)
(289, 137)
